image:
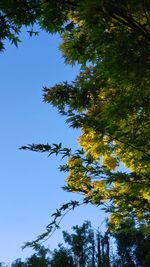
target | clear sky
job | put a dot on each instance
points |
(30, 182)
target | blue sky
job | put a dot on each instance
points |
(30, 182)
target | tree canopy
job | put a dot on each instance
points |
(86, 246)
(109, 99)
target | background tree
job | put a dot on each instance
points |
(18, 263)
(88, 247)
(62, 257)
(79, 243)
(38, 259)
(132, 245)
(85, 248)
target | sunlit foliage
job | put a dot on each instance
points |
(109, 99)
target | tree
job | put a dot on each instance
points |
(62, 257)
(132, 245)
(79, 243)
(14, 15)
(38, 259)
(108, 101)
(18, 263)
(88, 247)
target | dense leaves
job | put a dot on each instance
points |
(109, 99)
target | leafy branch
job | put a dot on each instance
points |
(57, 217)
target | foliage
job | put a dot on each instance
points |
(54, 224)
(38, 259)
(132, 245)
(79, 243)
(88, 247)
(109, 99)
(62, 257)
(13, 15)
